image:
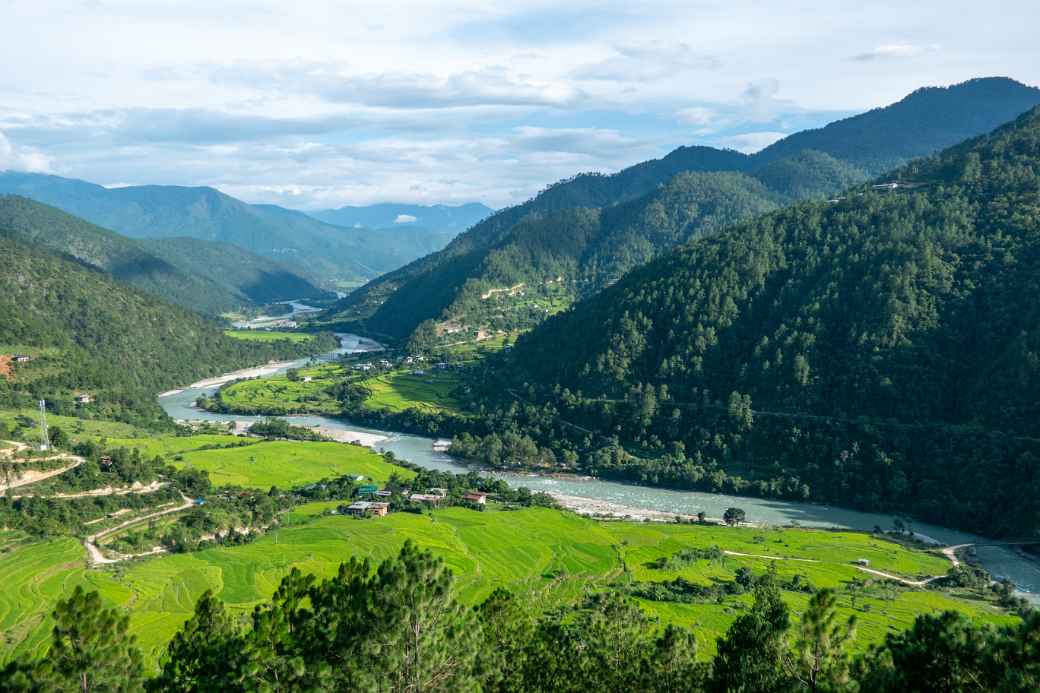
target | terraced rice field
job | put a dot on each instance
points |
(398, 391)
(543, 555)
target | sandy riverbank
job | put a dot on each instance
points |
(367, 439)
(255, 372)
(602, 508)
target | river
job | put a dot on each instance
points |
(594, 493)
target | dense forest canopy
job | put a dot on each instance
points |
(556, 237)
(90, 334)
(109, 252)
(880, 350)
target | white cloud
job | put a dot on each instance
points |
(325, 104)
(490, 85)
(21, 159)
(405, 219)
(646, 62)
(890, 51)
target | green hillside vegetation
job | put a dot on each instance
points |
(879, 352)
(106, 339)
(928, 120)
(205, 276)
(255, 279)
(546, 557)
(583, 234)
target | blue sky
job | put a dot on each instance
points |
(310, 104)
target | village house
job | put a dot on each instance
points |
(21, 358)
(84, 398)
(476, 497)
(427, 498)
(366, 508)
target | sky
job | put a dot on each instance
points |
(322, 104)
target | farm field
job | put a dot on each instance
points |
(277, 395)
(269, 336)
(262, 464)
(399, 390)
(543, 555)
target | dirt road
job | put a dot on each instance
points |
(95, 553)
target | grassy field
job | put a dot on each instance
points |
(168, 446)
(278, 395)
(400, 390)
(545, 556)
(262, 464)
(269, 336)
(78, 429)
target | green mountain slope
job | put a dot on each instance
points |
(539, 245)
(882, 351)
(203, 275)
(90, 333)
(926, 121)
(250, 277)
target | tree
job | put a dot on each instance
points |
(59, 438)
(734, 516)
(750, 656)
(739, 408)
(820, 662)
(206, 654)
(422, 637)
(91, 649)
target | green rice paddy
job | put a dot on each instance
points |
(269, 336)
(546, 556)
(401, 390)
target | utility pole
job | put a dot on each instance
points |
(45, 442)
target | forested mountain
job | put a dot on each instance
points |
(330, 253)
(880, 351)
(560, 254)
(250, 277)
(929, 119)
(438, 219)
(204, 275)
(90, 333)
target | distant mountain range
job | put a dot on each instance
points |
(446, 219)
(207, 276)
(525, 262)
(330, 254)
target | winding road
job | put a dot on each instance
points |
(95, 553)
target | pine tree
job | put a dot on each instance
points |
(749, 658)
(91, 649)
(819, 661)
(422, 638)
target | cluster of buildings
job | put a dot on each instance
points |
(376, 508)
